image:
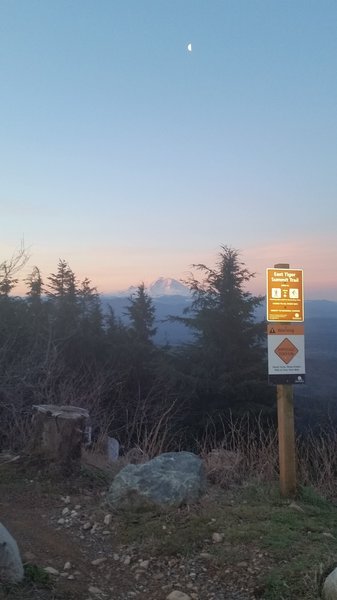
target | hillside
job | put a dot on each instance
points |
(320, 338)
(320, 319)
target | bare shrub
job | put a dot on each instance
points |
(10, 267)
(148, 423)
(145, 426)
(246, 449)
(30, 382)
(317, 461)
(15, 424)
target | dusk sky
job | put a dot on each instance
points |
(131, 157)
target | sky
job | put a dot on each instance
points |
(132, 158)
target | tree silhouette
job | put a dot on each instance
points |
(142, 316)
(226, 363)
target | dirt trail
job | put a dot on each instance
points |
(32, 515)
(59, 523)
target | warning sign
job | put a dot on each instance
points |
(286, 361)
(285, 295)
(286, 350)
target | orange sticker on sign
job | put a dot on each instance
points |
(286, 351)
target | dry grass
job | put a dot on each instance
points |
(248, 451)
(317, 461)
(245, 450)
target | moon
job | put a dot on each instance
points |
(189, 47)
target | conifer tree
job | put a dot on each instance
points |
(90, 324)
(227, 361)
(141, 349)
(63, 303)
(142, 316)
(35, 286)
(37, 309)
(62, 284)
(90, 307)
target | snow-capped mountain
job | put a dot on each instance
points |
(167, 287)
(164, 286)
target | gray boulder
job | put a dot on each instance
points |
(11, 569)
(329, 591)
(171, 479)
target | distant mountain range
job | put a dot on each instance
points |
(166, 291)
(170, 297)
(320, 309)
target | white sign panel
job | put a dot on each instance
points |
(286, 354)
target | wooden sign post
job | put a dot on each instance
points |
(286, 440)
(285, 304)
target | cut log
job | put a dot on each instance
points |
(58, 434)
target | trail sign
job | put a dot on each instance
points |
(286, 361)
(285, 302)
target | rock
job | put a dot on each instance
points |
(28, 556)
(98, 561)
(67, 566)
(217, 538)
(329, 591)
(242, 564)
(171, 479)
(219, 460)
(296, 507)
(107, 519)
(94, 590)
(177, 595)
(51, 571)
(143, 564)
(11, 569)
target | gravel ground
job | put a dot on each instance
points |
(75, 537)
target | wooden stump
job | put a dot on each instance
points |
(58, 434)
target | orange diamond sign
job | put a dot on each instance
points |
(286, 350)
